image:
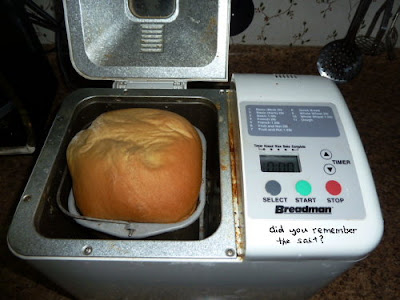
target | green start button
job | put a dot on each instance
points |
(303, 187)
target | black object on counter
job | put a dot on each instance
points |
(28, 84)
(341, 60)
(242, 13)
(374, 45)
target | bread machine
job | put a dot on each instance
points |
(290, 202)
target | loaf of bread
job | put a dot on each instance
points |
(137, 165)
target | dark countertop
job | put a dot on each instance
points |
(374, 101)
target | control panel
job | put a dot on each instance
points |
(304, 179)
(297, 163)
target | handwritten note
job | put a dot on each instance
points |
(308, 234)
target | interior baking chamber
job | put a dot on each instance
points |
(51, 222)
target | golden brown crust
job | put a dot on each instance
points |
(139, 165)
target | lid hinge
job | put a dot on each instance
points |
(175, 85)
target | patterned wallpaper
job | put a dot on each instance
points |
(46, 36)
(304, 22)
(286, 22)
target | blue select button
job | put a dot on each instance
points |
(273, 187)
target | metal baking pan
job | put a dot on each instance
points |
(135, 230)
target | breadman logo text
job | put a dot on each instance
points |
(280, 209)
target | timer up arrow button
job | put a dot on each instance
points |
(326, 154)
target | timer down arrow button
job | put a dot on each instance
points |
(329, 169)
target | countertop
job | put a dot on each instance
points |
(373, 98)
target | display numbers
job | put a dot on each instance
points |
(279, 163)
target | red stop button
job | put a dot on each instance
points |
(333, 187)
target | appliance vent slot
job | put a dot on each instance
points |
(285, 76)
(152, 39)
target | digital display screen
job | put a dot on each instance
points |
(280, 163)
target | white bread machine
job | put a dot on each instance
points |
(289, 200)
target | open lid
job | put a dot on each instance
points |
(181, 40)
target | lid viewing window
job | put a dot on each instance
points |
(152, 9)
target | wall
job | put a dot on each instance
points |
(46, 36)
(304, 22)
(286, 22)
